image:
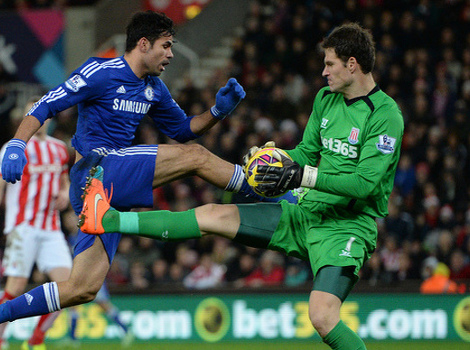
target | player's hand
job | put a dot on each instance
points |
(255, 149)
(274, 181)
(14, 160)
(227, 98)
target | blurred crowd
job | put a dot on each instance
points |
(42, 4)
(423, 62)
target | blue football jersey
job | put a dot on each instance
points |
(112, 101)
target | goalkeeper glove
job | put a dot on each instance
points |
(227, 98)
(14, 160)
(274, 181)
(253, 150)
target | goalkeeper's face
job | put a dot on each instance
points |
(338, 74)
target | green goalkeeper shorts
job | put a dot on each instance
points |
(318, 232)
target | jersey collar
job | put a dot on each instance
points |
(365, 98)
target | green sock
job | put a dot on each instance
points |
(344, 338)
(162, 224)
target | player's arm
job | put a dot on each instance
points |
(62, 200)
(3, 184)
(73, 91)
(202, 122)
(226, 100)
(377, 159)
(174, 122)
(28, 127)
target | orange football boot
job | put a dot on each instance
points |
(95, 203)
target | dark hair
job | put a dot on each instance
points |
(148, 24)
(351, 40)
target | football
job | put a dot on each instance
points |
(263, 157)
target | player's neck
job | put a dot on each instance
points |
(135, 65)
(360, 87)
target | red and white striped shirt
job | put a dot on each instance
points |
(32, 200)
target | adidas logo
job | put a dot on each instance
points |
(164, 235)
(29, 298)
(121, 90)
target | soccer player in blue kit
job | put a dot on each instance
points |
(113, 95)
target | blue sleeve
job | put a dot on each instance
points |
(170, 118)
(78, 88)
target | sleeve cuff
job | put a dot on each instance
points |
(309, 178)
(217, 114)
(17, 143)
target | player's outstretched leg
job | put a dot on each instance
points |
(98, 216)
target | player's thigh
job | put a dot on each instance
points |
(20, 252)
(177, 161)
(341, 239)
(53, 254)
(276, 226)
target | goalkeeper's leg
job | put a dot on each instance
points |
(332, 285)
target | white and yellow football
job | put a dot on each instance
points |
(263, 157)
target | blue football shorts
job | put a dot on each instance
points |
(128, 175)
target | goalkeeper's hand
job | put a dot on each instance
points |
(253, 150)
(274, 181)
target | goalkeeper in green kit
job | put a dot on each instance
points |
(347, 159)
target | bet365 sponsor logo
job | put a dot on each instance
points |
(337, 146)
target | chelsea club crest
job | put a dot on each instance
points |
(149, 93)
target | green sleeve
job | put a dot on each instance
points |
(376, 167)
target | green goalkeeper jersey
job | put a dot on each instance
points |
(356, 146)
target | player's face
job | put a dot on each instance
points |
(338, 75)
(159, 55)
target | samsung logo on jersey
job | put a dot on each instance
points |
(131, 106)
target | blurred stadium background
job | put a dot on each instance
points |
(271, 47)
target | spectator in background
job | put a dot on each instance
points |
(297, 273)
(459, 266)
(240, 267)
(207, 274)
(390, 256)
(398, 223)
(440, 283)
(269, 273)
(405, 178)
(159, 275)
(138, 276)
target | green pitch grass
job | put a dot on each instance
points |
(432, 345)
